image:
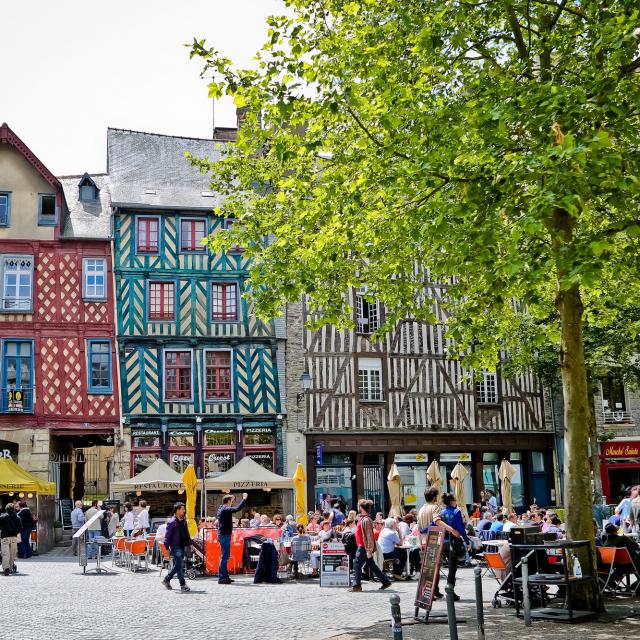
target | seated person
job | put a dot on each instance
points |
(313, 526)
(554, 525)
(389, 541)
(510, 523)
(265, 521)
(277, 520)
(288, 528)
(297, 554)
(486, 519)
(255, 519)
(614, 539)
(404, 526)
(244, 523)
(497, 524)
(324, 535)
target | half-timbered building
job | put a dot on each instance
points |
(59, 396)
(199, 371)
(357, 405)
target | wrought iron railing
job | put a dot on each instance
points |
(617, 416)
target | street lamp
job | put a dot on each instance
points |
(305, 383)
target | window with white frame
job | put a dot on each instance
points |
(487, 388)
(370, 379)
(17, 283)
(367, 312)
(94, 278)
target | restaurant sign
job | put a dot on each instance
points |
(621, 449)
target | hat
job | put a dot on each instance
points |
(610, 528)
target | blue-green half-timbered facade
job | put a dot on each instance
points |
(201, 375)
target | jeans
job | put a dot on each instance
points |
(452, 562)
(178, 565)
(92, 533)
(24, 547)
(225, 546)
(9, 547)
(362, 561)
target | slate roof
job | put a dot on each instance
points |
(89, 220)
(150, 170)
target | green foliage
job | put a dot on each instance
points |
(495, 142)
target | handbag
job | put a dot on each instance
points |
(458, 548)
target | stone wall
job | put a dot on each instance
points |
(33, 457)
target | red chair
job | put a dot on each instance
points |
(138, 552)
(166, 557)
(615, 568)
(118, 556)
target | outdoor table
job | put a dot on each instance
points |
(101, 543)
(408, 548)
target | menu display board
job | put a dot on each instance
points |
(430, 569)
(334, 565)
(66, 507)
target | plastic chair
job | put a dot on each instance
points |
(118, 556)
(127, 551)
(615, 568)
(495, 562)
(151, 540)
(166, 558)
(138, 551)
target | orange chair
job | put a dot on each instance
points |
(615, 568)
(495, 563)
(151, 540)
(138, 552)
(166, 558)
(127, 551)
(118, 556)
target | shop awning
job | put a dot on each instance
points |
(13, 478)
(158, 476)
(247, 475)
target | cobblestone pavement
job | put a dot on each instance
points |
(60, 602)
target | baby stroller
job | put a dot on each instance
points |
(195, 565)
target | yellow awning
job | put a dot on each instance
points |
(13, 478)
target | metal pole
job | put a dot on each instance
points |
(396, 617)
(526, 602)
(451, 613)
(479, 604)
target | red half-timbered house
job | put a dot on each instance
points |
(59, 396)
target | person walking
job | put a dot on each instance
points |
(177, 540)
(95, 529)
(225, 528)
(10, 529)
(455, 548)
(77, 520)
(28, 522)
(366, 547)
(114, 521)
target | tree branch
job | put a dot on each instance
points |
(557, 14)
(575, 12)
(631, 67)
(514, 23)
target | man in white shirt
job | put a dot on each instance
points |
(389, 541)
(510, 523)
(492, 502)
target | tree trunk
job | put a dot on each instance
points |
(577, 416)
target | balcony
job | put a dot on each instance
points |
(16, 400)
(617, 416)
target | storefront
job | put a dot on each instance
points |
(362, 472)
(619, 467)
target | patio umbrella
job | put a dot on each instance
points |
(393, 484)
(190, 482)
(458, 475)
(433, 476)
(300, 488)
(506, 473)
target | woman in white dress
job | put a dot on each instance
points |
(128, 520)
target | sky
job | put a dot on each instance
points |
(69, 69)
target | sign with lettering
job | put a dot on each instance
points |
(15, 400)
(252, 430)
(334, 565)
(319, 454)
(629, 449)
(430, 569)
(66, 507)
(145, 432)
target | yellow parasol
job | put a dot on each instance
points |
(458, 476)
(393, 484)
(506, 473)
(300, 490)
(433, 476)
(190, 482)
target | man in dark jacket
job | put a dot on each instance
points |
(177, 540)
(10, 528)
(26, 518)
(225, 528)
(614, 539)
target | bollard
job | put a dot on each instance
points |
(526, 602)
(396, 617)
(451, 613)
(479, 604)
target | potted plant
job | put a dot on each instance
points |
(57, 530)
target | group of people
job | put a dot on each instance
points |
(16, 525)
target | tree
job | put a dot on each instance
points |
(492, 143)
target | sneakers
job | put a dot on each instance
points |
(184, 588)
(386, 585)
(438, 595)
(166, 585)
(7, 572)
(224, 581)
(355, 589)
(397, 576)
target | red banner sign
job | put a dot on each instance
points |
(621, 449)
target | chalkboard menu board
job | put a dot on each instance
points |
(430, 569)
(66, 507)
(107, 504)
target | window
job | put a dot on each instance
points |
(47, 210)
(5, 208)
(192, 233)
(613, 396)
(224, 301)
(217, 375)
(258, 435)
(87, 193)
(370, 379)
(17, 280)
(17, 376)
(143, 460)
(161, 300)
(264, 459)
(367, 313)
(219, 438)
(146, 442)
(94, 277)
(148, 234)
(487, 388)
(234, 248)
(177, 375)
(180, 461)
(537, 461)
(100, 366)
(217, 463)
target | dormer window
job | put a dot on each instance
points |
(47, 209)
(88, 189)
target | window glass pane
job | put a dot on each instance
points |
(48, 207)
(100, 365)
(264, 459)
(148, 235)
(192, 232)
(258, 436)
(141, 442)
(490, 457)
(143, 460)
(537, 461)
(181, 440)
(218, 375)
(217, 463)
(17, 283)
(370, 379)
(224, 301)
(180, 461)
(516, 455)
(487, 388)
(87, 192)
(4, 208)
(177, 375)
(218, 438)
(335, 481)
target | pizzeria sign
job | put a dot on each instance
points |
(621, 449)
